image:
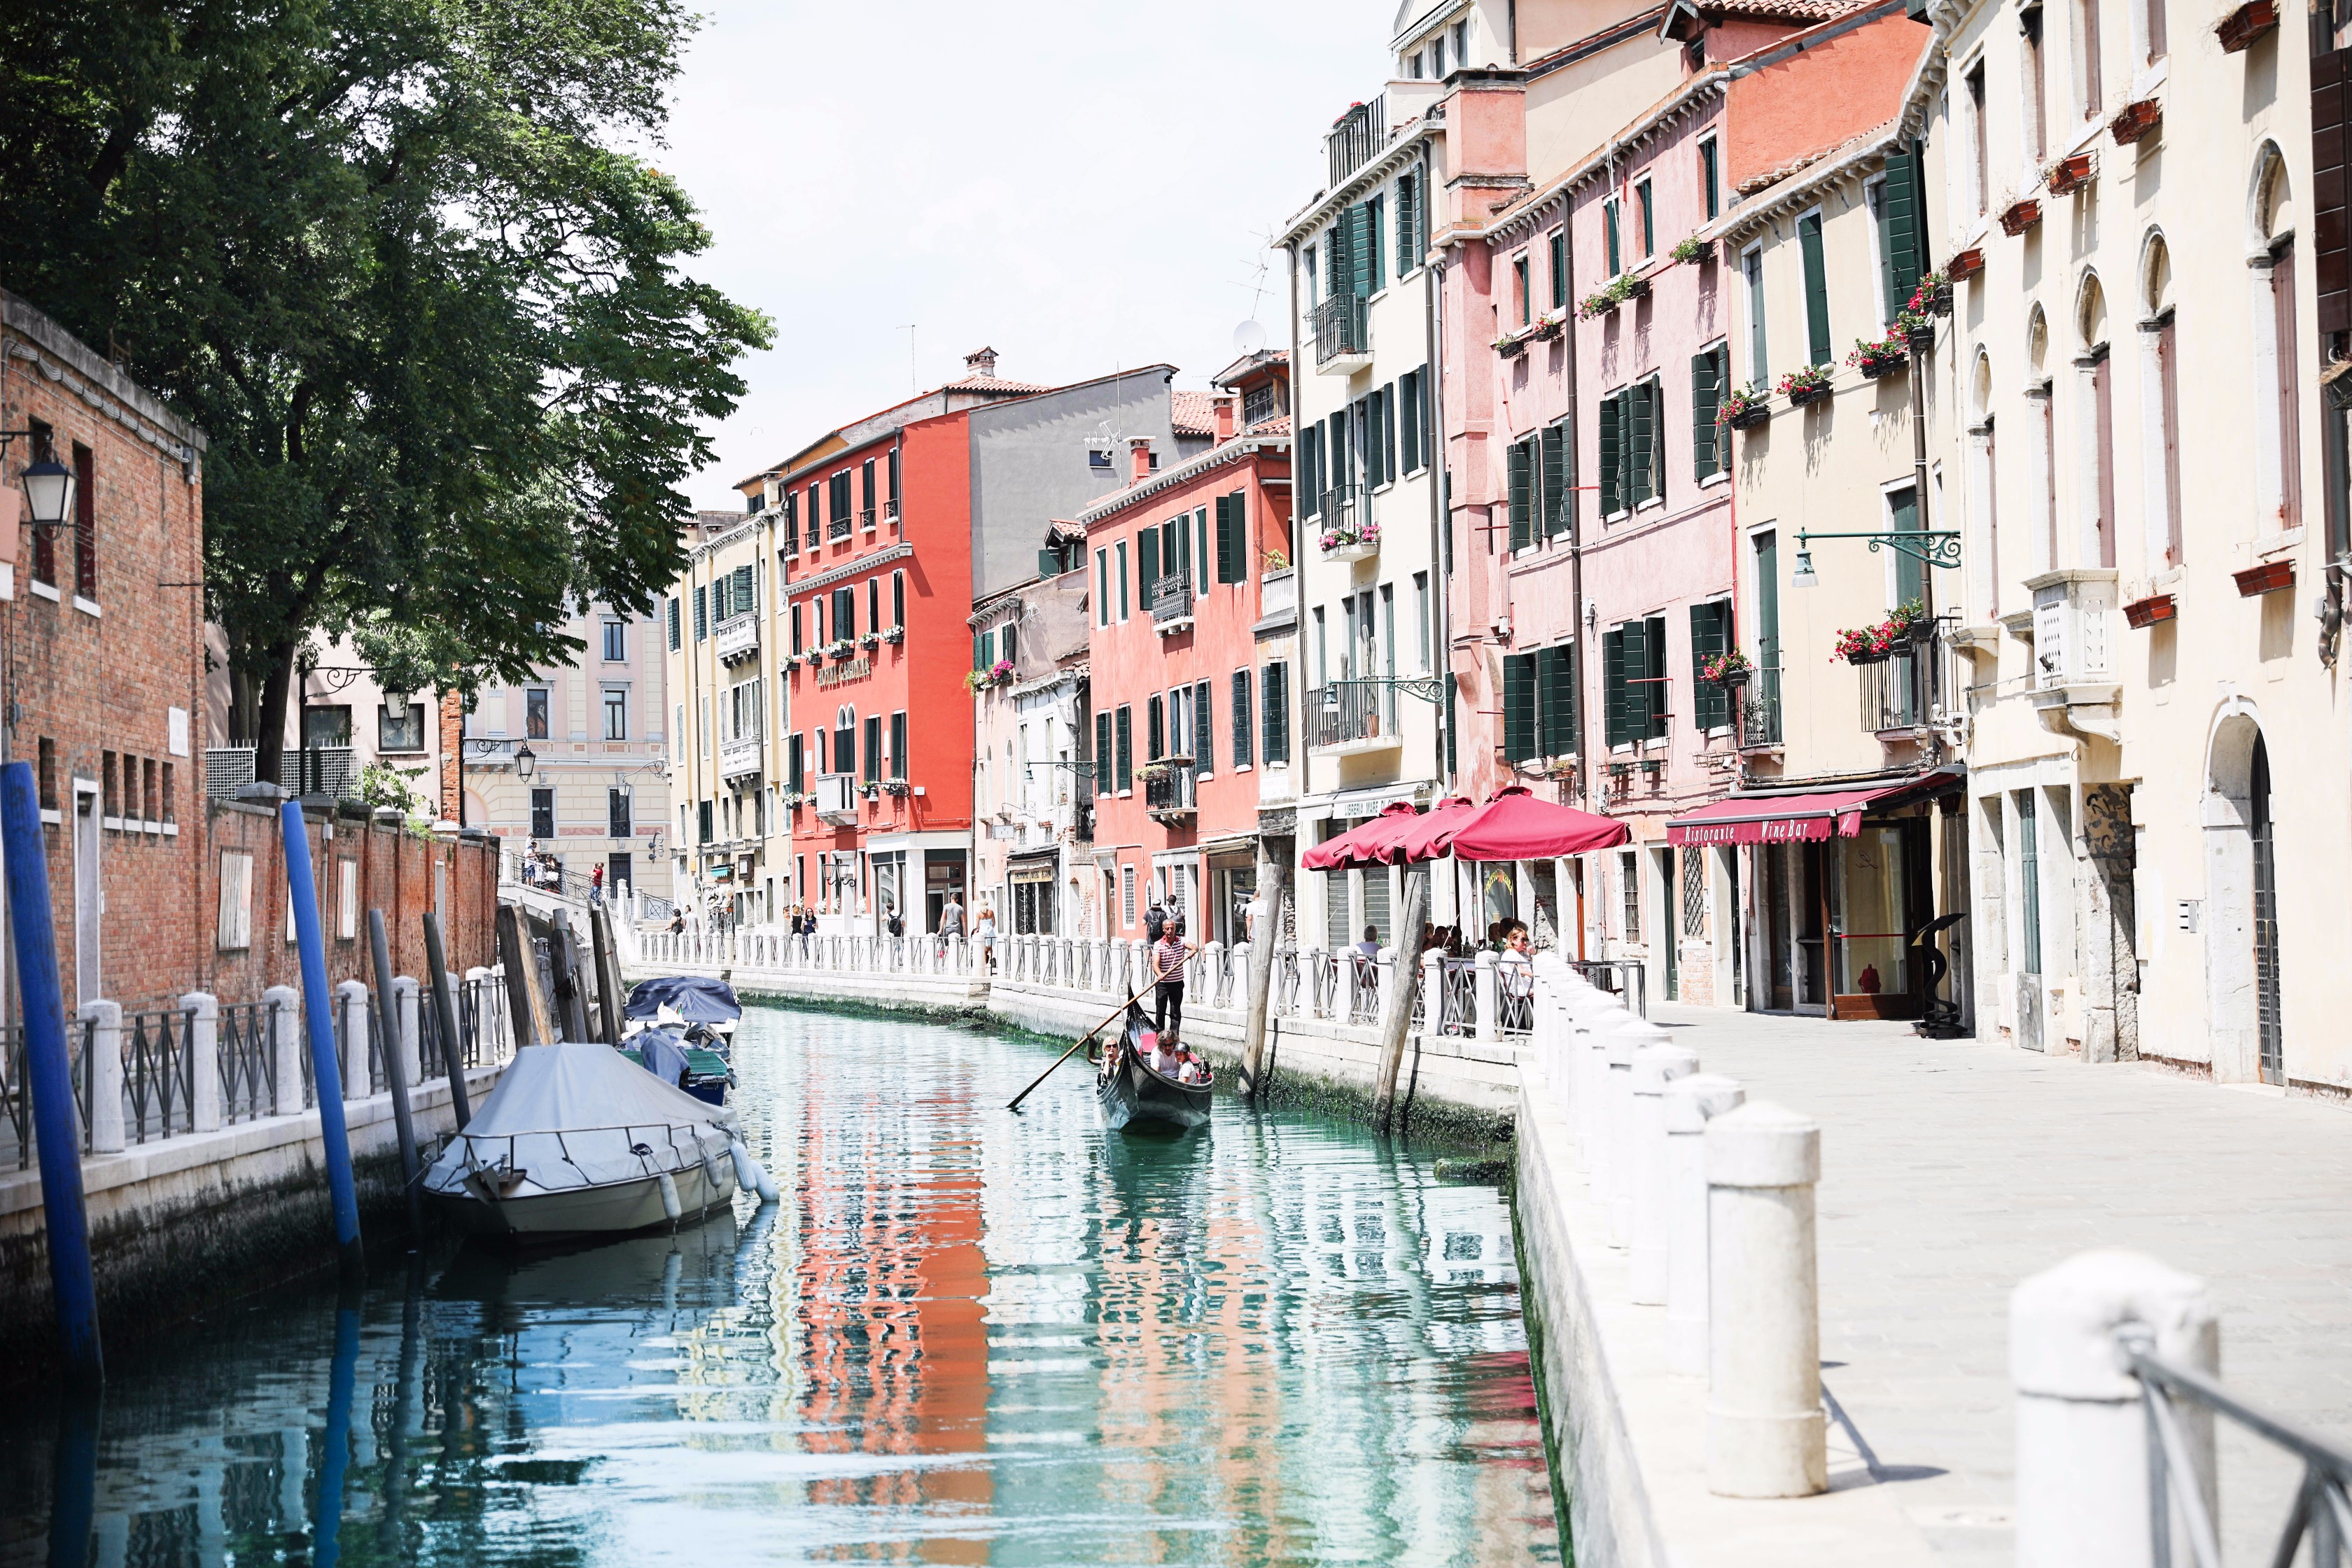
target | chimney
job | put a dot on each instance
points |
(1224, 406)
(981, 363)
(1138, 448)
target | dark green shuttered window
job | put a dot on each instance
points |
(1710, 631)
(1205, 734)
(1899, 241)
(1559, 267)
(1274, 690)
(1817, 288)
(1556, 701)
(1244, 737)
(1709, 373)
(1103, 756)
(1522, 473)
(1125, 744)
(1232, 557)
(1552, 480)
(1518, 707)
(1633, 665)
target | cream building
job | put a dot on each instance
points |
(2156, 752)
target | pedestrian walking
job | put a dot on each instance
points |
(983, 931)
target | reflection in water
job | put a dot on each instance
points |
(964, 1337)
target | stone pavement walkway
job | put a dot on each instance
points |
(1951, 1170)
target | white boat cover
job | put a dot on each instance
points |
(571, 1116)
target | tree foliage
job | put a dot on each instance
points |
(409, 266)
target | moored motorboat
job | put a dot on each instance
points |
(576, 1140)
(707, 1007)
(1134, 1093)
(674, 1055)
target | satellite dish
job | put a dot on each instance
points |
(1248, 338)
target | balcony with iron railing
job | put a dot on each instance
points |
(1350, 717)
(1167, 791)
(1171, 604)
(1343, 337)
(1353, 138)
(866, 516)
(737, 637)
(1759, 709)
(1909, 690)
(838, 528)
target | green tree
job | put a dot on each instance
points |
(409, 266)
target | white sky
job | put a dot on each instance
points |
(1083, 186)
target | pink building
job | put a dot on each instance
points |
(1589, 322)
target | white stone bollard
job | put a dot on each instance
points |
(2082, 1456)
(1629, 1035)
(285, 1046)
(1654, 1067)
(404, 1026)
(1690, 1103)
(203, 1060)
(1490, 996)
(1432, 992)
(352, 997)
(105, 1047)
(1765, 1431)
(1591, 1066)
(1385, 982)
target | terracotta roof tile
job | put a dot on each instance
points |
(1192, 413)
(996, 383)
(1278, 425)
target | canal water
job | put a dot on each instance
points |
(964, 1336)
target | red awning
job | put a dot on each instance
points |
(1426, 839)
(1793, 818)
(1361, 845)
(1516, 825)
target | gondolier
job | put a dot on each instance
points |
(1168, 957)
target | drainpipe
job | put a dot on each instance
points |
(1576, 555)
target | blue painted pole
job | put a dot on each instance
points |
(48, 1073)
(327, 1529)
(318, 1005)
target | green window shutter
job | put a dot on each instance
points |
(1147, 565)
(1546, 678)
(1102, 757)
(1205, 749)
(1561, 736)
(1522, 498)
(898, 745)
(743, 589)
(1898, 232)
(794, 766)
(1244, 736)
(1710, 173)
(1408, 198)
(1817, 288)
(1226, 540)
(1518, 707)
(1641, 440)
(975, 652)
(1409, 388)
(1553, 472)
(1706, 397)
(1275, 693)
(1638, 697)
(1609, 236)
(673, 624)
(702, 615)
(1375, 216)
(1660, 705)
(987, 650)
(1616, 731)
(1612, 414)
(1363, 258)
(1559, 267)
(1388, 432)
(1126, 749)
(1710, 624)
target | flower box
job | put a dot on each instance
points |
(1748, 415)
(1691, 250)
(2269, 577)
(1868, 656)
(2244, 24)
(1352, 542)
(2132, 126)
(1358, 549)
(1510, 348)
(1548, 329)
(2142, 614)
(871, 639)
(1874, 366)
(1966, 264)
(2019, 216)
(896, 787)
(1811, 391)
(1636, 288)
(2070, 174)
(895, 634)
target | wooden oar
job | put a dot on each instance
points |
(1014, 1104)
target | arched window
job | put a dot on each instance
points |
(2095, 468)
(2159, 380)
(2278, 471)
(2041, 442)
(845, 740)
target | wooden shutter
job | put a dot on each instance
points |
(1910, 572)
(1226, 540)
(1659, 705)
(1898, 233)
(1561, 736)
(1559, 267)
(1361, 241)
(1155, 714)
(1200, 563)
(1817, 288)
(1616, 731)
(1205, 749)
(1613, 414)
(1706, 397)
(1408, 221)
(1518, 707)
(1103, 759)
(899, 745)
(1147, 565)
(1553, 473)
(1609, 235)
(1387, 405)
(1710, 626)
(743, 589)
(1126, 771)
(1243, 735)
(1641, 440)
(1275, 693)
(1310, 465)
(1522, 497)
(987, 650)
(702, 613)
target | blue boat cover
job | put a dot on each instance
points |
(659, 1050)
(694, 998)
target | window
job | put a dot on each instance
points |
(1633, 683)
(615, 642)
(845, 613)
(1102, 757)
(1121, 548)
(620, 816)
(795, 765)
(1518, 707)
(845, 740)
(1127, 895)
(1102, 587)
(1629, 883)
(898, 745)
(1274, 690)
(1981, 149)
(1520, 463)
(1375, 224)
(702, 822)
(1910, 572)
(1156, 726)
(2284, 359)
(894, 481)
(1244, 737)
(1420, 615)
(2086, 35)
(792, 531)
(1462, 43)
(1411, 233)
(2153, 30)
(1559, 267)
(1767, 581)
(1751, 265)
(48, 773)
(1200, 563)
(542, 812)
(874, 748)
(1413, 419)
(1125, 744)
(1555, 502)
(1645, 208)
(1710, 371)
(874, 604)
(84, 537)
(1555, 712)
(898, 598)
(1526, 291)
(1233, 539)
(1817, 288)
(1710, 633)
(534, 713)
(1609, 249)
(1631, 473)
(616, 712)
(1710, 175)
(405, 733)
(1894, 204)
(2167, 376)
(1199, 730)
(866, 493)
(2037, 99)
(1437, 56)
(673, 624)
(1310, 464)
(702, 612)
(798, 644)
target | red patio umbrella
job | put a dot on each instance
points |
(1360, 846)
(1414, 844)
(1516, 825)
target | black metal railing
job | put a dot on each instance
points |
(1759, 709)
(1353, 138)
(1908, 688)
(17, 1129)
(1170, 790)
(248, 1061)
(159, 1074)
(1338, 508)
(1172, 598)
(1342, 326)
(838, 529)
(1342, 712)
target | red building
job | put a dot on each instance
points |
(889, 531)
(1182, 714)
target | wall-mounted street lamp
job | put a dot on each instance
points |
(1932, 546)
(49, 490)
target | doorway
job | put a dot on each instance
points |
(2269, 1039)
(1779, 930)
(1669, 927)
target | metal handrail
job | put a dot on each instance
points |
(2322, 1504)
(248, 1061)
(1623, 977)
(159, 1087)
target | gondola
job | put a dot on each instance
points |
(1134, 1094)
